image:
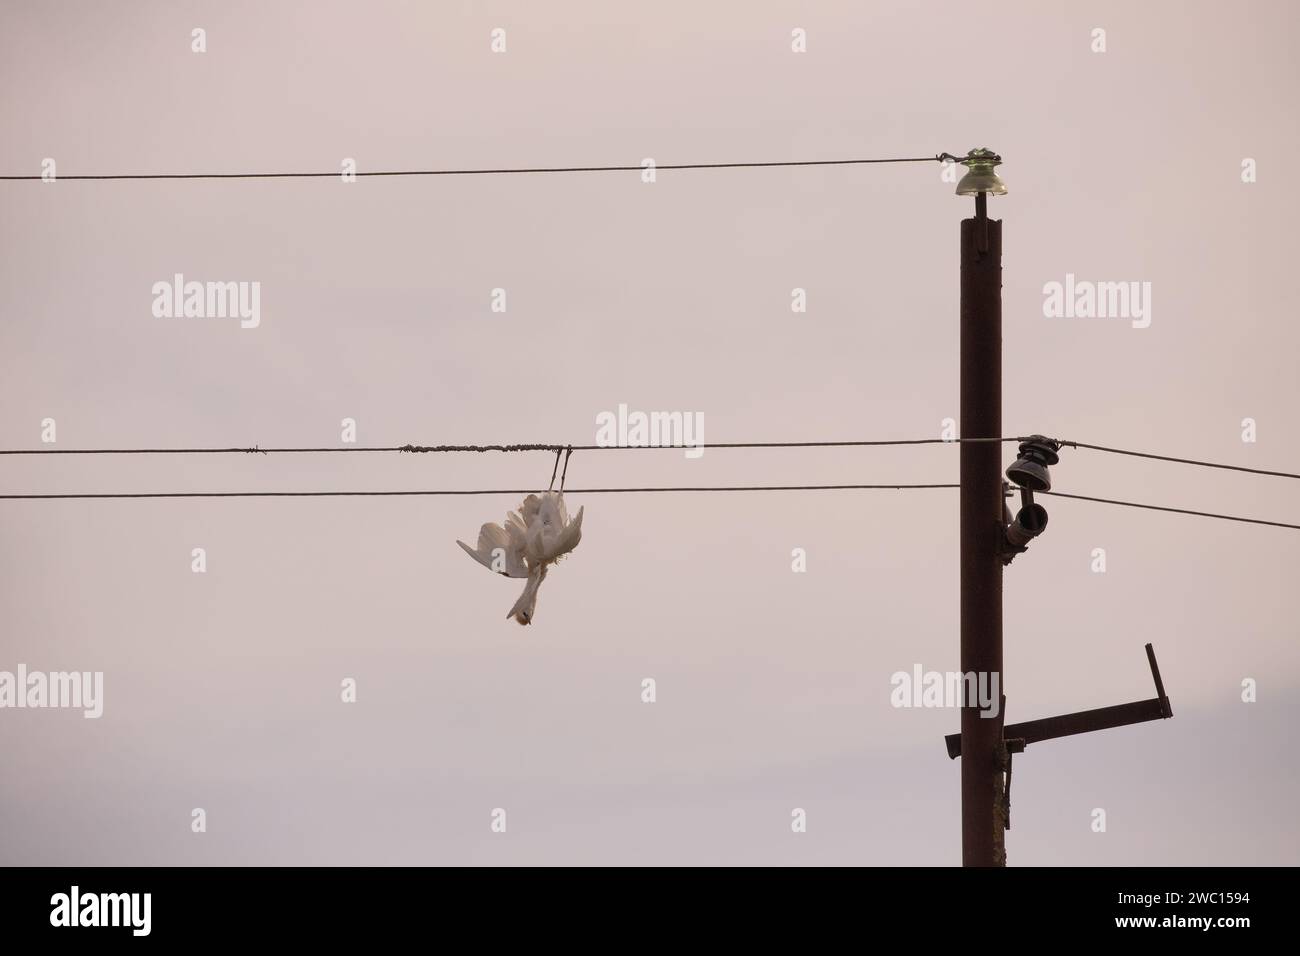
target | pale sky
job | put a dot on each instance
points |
(222, 689)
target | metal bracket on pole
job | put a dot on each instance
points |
(1086, 721)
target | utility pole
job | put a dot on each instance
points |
(983, 755)
(990, 539)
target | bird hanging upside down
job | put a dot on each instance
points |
(534, 538)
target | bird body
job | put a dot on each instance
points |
(531, 540)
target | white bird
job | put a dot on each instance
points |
(533, 538)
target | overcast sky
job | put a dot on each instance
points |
(222, 689)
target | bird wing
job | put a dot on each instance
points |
(510, 542)
(528, 510)
(552, 535)
(569, 537)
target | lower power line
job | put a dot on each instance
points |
(604, 491)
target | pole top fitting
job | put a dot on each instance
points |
(981, 177)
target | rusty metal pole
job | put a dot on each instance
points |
(981, 531)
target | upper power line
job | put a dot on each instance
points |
(524, 446)
(469, 491)
(1182, 461)
(506, 171)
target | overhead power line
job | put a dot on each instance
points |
(938, 158)
(600, 491)
(472, 491)
(1181, 461)
(451, 449)
(550, 447)
(1180, 511)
